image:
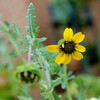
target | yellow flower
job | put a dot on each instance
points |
(69, 48)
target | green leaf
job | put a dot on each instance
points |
(8, 29)
(56, 82)
(30, 18)
(61, 41)
(36, 43)
(50, 57)
(47, 94)
(54, 67)
(41, 39)
(31, 21)
(3, 27)
(63, 85)
(70, 73)
(36, 30)
(70, 76)
(20, 33)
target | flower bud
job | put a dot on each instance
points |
(28, 73)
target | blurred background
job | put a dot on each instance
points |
(53, 16)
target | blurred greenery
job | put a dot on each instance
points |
(87, 86)
(8, 86)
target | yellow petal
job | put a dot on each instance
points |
(77, 55)
(60, 58)
(80, 48)
(78, 37)
(53, 48)
(68, 34)
(68, 59)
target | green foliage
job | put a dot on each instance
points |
(92, 85)
(85, 87)
(56, 82)
(5, 54)
(54, 68)
(81, 89)
(7, 28)
(20, 34)
(8, 87)
(37, 42)
(31, 21)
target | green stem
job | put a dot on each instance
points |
(67, 85)
(46, 71)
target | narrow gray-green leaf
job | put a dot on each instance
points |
(20, 33)
(31, 19)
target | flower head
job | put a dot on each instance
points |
(69, 47)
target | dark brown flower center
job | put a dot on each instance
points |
(68, 47)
